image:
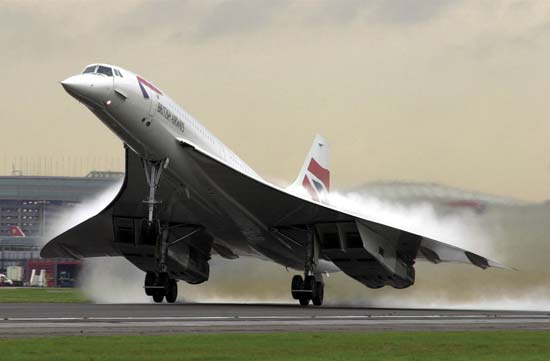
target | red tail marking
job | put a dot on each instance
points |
(322, 173)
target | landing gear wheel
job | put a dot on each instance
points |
(172, 291)
(309, 285)
(158, 296)
(319, 293)
(308, 289)
(297, 287)
(150, 279)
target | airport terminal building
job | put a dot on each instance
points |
(36, 204)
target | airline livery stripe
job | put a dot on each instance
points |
(321, 173)
(143, 82)
(143, 91)
(307, 185)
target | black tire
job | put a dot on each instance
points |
(158, 296)
(319, 294)
(297, 285)
(309, 285)
(304, 301)
(172, 291)
(150, 279)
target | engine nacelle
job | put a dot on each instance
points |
(189, 263)
(362, 253)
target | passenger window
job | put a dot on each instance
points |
(89, 69)
(120, 74)
(104, 70)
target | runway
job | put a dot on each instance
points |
(19, 320)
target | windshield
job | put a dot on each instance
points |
(104, 70)
(89, 69)
(98, 69)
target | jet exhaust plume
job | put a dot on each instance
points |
(513, 235)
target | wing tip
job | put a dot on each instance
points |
(495, 264)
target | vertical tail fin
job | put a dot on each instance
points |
(315, 174)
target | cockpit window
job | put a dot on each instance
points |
(89, 69)
(104, 70)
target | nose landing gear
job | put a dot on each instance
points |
(157, 284)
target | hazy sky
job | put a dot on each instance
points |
(455, 92)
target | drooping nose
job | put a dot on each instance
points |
(88, 88)
(74, 84)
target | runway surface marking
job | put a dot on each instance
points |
(23, 320)
(261, 322)
(282, 317)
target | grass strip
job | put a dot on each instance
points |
(425, 346)
(33, 295)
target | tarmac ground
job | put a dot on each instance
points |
(47, 319)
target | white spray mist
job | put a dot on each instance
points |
(516, 236)
(90, 207)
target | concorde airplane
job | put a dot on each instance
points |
(186, 196)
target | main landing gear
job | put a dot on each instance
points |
(157, 284)
(160, 286)
(310, 287)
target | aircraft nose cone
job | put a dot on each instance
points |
(89, 89)
(73, 84)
